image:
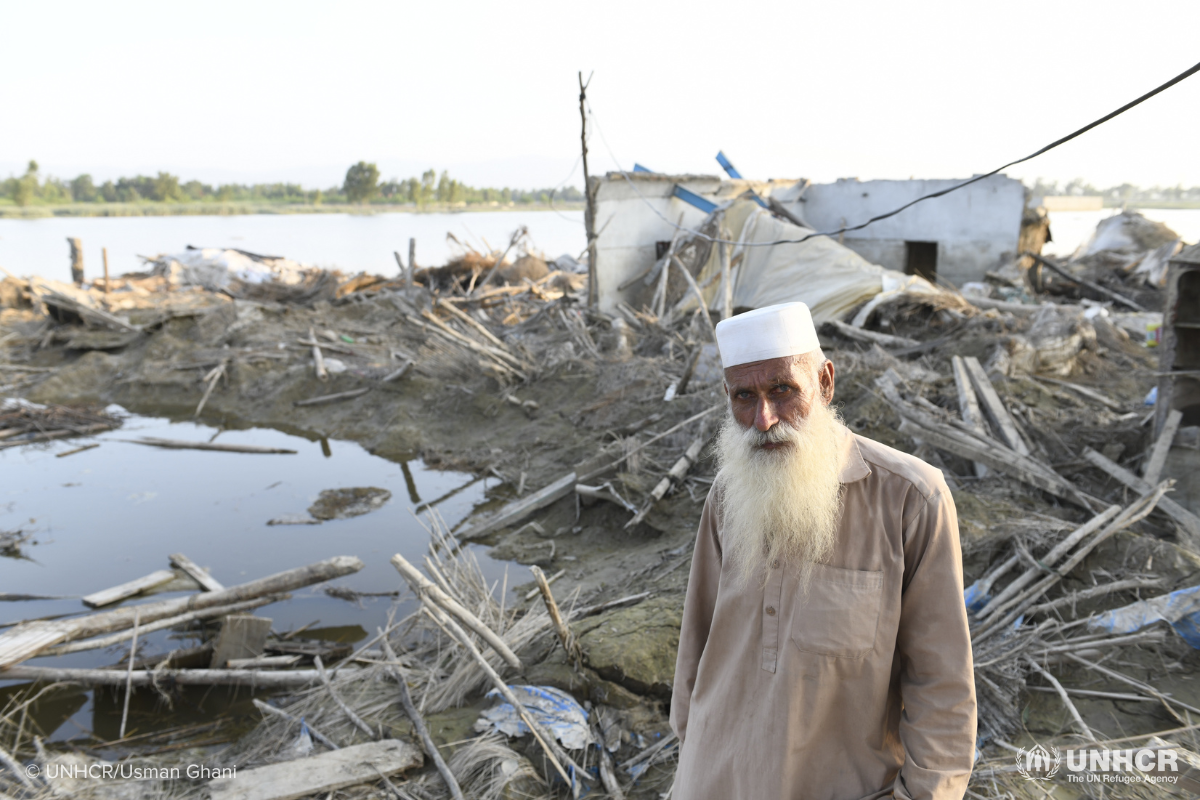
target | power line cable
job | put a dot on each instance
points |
(941, 193)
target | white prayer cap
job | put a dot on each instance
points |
(772, 332)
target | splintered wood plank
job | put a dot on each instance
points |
(316, 774)
(1162, 447)
(968, 406)
(125, 590)
(242, 636)
(994, 406)
(198, 573)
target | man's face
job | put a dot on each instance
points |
(764, 393)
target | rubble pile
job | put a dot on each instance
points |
(1028, 394)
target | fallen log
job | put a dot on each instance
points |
(293, 679)
(332, 398)
(178, 444)
(28, 639)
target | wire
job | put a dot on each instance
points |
(570, 175)
(941, 193)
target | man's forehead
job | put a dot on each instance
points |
(771, 369)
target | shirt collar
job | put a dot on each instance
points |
(854, 468)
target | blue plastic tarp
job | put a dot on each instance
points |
(1180, 609)
(553, 709)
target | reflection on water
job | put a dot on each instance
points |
(114, 513)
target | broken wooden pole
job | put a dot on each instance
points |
(428, 590)
(994, 407)
(703, 306)
(565, 637)
(412, 263)
(260, 679)
(76, 260)
(104, 254)
(128, 589)
(358, 721)
(675, 475)
(28, 639)
(968, 405)
(318, 359)
(333, 398)
(1162, 447)
(726, 277)
(398, 374)
(179, 444)
(871, 337)
(1186, 519)
(418, 722)
(197, 573)
(1095, 287)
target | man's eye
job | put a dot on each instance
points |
(743, 395)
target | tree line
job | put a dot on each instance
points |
(1121, 194)
(362, 185)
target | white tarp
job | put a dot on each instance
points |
(214, 268)
(830, 278)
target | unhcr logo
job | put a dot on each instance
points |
(1037, 763)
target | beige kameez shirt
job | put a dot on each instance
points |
(862, 687)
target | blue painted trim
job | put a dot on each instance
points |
(639, 168)
(727, 165)
(690, 197)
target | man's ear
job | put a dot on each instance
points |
(825, 376)
(725, 388)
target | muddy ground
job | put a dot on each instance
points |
(454, 413)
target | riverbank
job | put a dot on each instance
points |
(151, 209)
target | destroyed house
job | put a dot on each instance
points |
(952, 239)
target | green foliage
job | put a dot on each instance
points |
(362, 182)
(362, 185)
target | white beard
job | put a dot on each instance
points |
(783, 503)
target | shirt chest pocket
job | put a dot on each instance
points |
(839, 613)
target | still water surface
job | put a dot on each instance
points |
(114, 513)
(349, 242)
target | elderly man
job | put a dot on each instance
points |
(824, 653)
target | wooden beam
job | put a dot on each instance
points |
(994, 407)
(871, 337)
(1186, 519)
(968, 406)
(197, 573)
(1162, 447)
(116, 594)
(319, 774)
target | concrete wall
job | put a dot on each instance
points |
(976, 228)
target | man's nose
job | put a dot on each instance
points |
(765, 416)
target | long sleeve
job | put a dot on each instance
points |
(937, 684)
(698, 609)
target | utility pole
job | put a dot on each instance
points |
(589, 213)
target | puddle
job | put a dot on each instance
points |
(104, 516)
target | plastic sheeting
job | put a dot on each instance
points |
(830, 278)
(214, 268)
(553, 709)
(1180, 609)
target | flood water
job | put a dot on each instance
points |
(349, 242)
(108, 515)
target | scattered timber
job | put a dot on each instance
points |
(319, 774)
(993, 406)
(333, 398)
(968, 405)
(26, 640)
(1186, 519)
(129, 589)
(271, 710)
(75, 450)
(85, 430)
(1095, 287)
(178, 444)
(871, 337)
(259, 679)
(428, 591)
(1162, 447)
(196, 572)
(674, 476)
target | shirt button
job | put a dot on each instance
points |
(770, 611)
(775, 564)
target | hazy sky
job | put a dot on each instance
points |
(254, 91)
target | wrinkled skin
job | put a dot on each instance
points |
(763, 393)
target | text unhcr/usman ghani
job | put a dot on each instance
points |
(130, 772)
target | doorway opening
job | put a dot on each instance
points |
(921, 259)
